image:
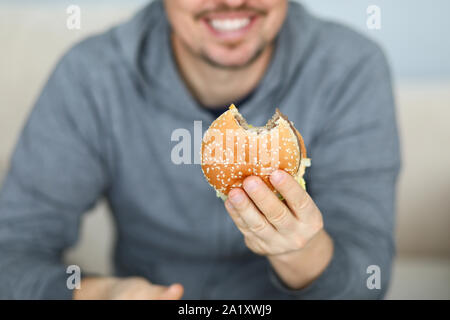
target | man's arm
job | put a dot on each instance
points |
(57, 172)
(352, 185)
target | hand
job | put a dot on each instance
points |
(270, 226)
(134, 288)
(290, 232)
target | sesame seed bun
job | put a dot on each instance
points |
(233, 150)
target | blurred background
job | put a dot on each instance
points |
(414, 35)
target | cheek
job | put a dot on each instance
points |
(275, 18)
(181, 15)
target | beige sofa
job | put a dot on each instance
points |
(33, 38)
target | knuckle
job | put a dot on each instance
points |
(299, 242)
(319, 224)
(241, 207)
(247, 241)
(277, 251)
(233, 214)
(279, 216)
(245, 231)
(304, 203)
(258, 248)
(258, 227)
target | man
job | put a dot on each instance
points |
(102, 128)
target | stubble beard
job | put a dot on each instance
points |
(203, 56)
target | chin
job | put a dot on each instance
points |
(231, 63)
(232, 58)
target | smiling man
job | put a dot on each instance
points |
(103, 125)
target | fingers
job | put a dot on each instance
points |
(247, 216)
(276, 212)
(271, 226)
(174, 292)
(235, 216)
(296, 197)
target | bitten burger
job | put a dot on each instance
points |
(233, 150)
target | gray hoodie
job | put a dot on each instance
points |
(102, 128)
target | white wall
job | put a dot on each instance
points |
(414, 33)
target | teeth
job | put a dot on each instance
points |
(229, 24)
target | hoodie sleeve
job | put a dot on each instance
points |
(355, 163)
(56, 174)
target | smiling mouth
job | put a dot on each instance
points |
(229, 25)
(230, 28)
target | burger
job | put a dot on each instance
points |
(232, 150)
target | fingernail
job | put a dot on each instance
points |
(250, 184)
(236, 197)
(277, 176)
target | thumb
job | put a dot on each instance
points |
(174, 292)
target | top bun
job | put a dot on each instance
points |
(233, 150)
